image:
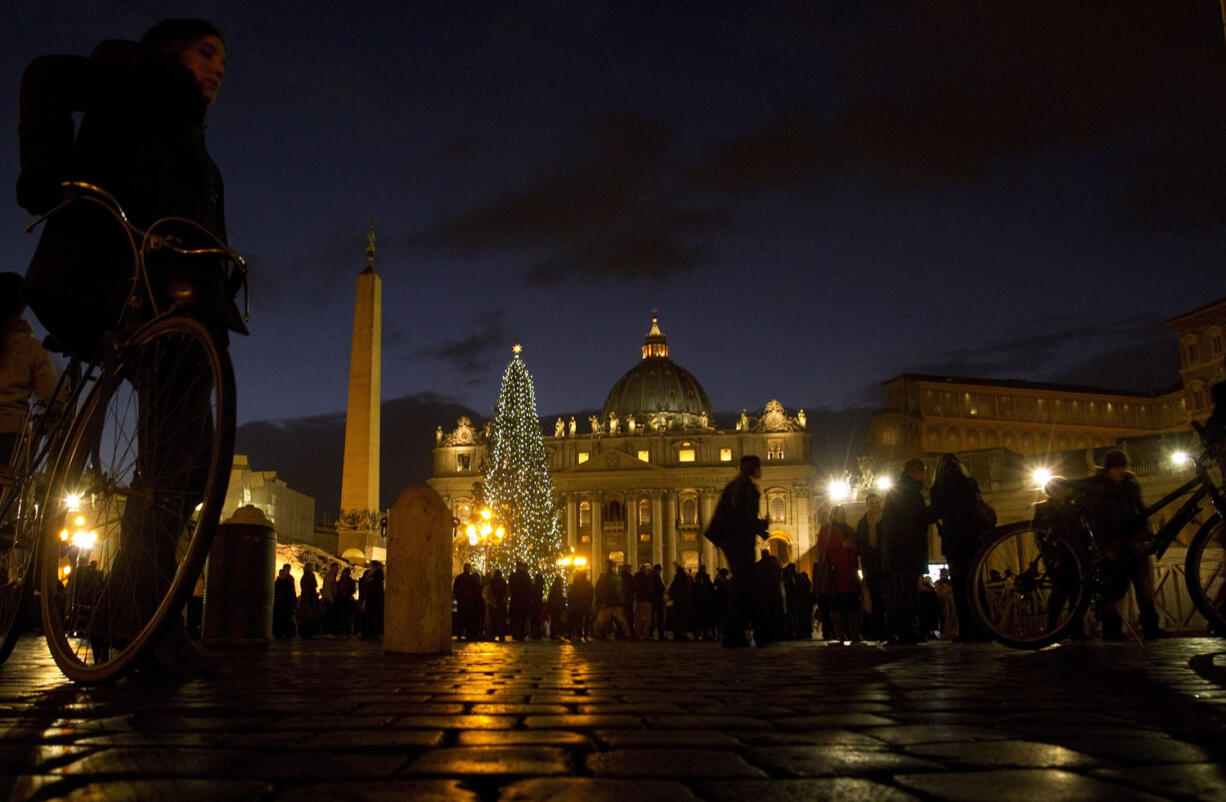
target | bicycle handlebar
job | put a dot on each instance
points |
(150, 242)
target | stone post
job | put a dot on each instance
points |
(417, 612)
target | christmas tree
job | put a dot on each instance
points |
(518, 490)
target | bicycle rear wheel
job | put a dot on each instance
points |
(18, 545)
(1028, 586)
(135, 498)
(1205, 567)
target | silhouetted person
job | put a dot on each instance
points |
(284, 600)
(956, 499)
(580, 598)
(1113, 498)
(743, 500)
(520, 587)
(498, 611)
(681, 610)
(904, 522)
(467, 591)
(868, 542)
(557, 608)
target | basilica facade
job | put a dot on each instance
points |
(639, 482)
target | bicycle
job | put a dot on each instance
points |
(1033, 581)
(117, 499)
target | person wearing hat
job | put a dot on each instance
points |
(25, 366)
(1113, 499)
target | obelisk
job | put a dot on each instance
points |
(358, 525)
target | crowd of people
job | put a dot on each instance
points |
(625, 604)
(338, 606)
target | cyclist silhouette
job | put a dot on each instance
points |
(141, 138)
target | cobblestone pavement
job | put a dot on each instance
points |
(330, 719)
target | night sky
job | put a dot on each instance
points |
(816, 195)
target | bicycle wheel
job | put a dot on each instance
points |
(135, 498)
(1205, 568)
(1028, 586)
(18, 545)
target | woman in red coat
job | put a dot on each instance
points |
(837, 542)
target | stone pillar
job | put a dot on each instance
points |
(572, 520)
(599, 555)
(657, 530)
(417, 611)
(671, 549)
(804, 529)
(632, 530)
(360, 470)
(707, 499)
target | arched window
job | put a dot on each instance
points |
(953, 439)
(972, 440)
(613, 511)
(1191, 353)
(689, 510)
(585, 513)
(644, 511)
(777, 508)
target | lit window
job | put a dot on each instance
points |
(644, 511)
(463, 462)
(725, 455)
(685, 455)
(689, 511)
(585, 513)
(644, 455)
(774, 450)
(583, 456)
(777, 508)
(644, 538)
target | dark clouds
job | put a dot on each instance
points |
(611, 211)
(472, 354)
(1051, 353)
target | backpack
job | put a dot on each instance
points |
(722, 527)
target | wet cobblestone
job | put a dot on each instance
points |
(543, 720)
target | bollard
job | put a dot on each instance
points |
(238, 586)
(417, 612)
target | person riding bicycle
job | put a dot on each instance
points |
(1113, 501)
(141, 138)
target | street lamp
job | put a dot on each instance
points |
(483, 534)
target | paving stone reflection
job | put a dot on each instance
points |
(540, 720)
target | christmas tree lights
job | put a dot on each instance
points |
(518, 489)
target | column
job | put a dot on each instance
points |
(572, 520)
(671, 550)
(707, 498)
(598, 550)
(657, 529)
(632, 529)
(804, 530)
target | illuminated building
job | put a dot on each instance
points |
(640, 481)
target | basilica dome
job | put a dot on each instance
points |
(657, 392)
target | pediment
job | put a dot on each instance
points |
(613, 460)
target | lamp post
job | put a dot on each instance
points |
(483, 534)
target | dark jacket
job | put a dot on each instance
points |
(141, 138)
(1116, 509)
(745, 499)
(904, 527)
(955, 498)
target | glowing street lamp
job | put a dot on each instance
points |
(1040, 477)
(838, 490)
(1180, 459)
(884, 483)
(483, 533)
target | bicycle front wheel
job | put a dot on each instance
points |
(135, 498)
(1028, 586)
(1205, 568)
